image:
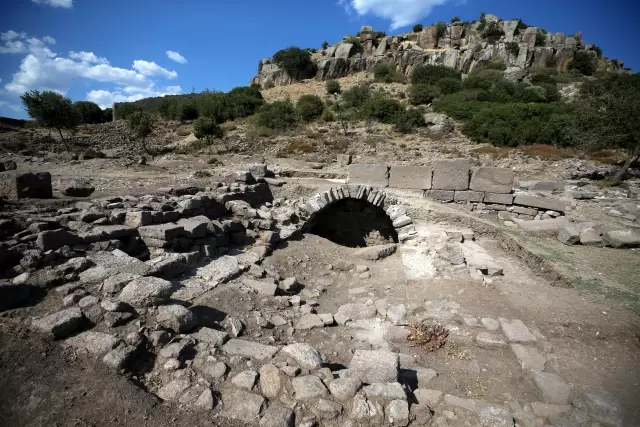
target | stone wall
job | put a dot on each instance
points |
(455, 181)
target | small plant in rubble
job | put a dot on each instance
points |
(429, 337)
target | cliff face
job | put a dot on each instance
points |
(459, 45)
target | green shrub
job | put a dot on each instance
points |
(296, 62)
(277, 115)
(423, 94)
(429, 74)
(88, 112)
(492, 30)
(449, 85)
(513, 48)
(541, 38)
(495, 65)
(533, 94)
(206, 127)
(482, 79)
(333, 87)
(243, 101)
(309, 107)
(381, 108)
(188, 111)
(327, 116)
(325, 45)
(355, 96)
(597, 50)
(455, 19)
(441, 28)
(355, 41)
(550, 92)
(386, 73)
(583, 63)
(107, 115)
(417, 28)
(408, 119)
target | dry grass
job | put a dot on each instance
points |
(184, 130)
(295, 91)
(429, 337)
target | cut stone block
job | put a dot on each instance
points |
(547, 226)
(552, 388)
(492, 180)
(251, 349)
(161, 231)
(441, 195)
(529, 357)
(547, 203)
(502, 199)
(621, 239)
(468, 196)
(138, 219)
(373, 175)
(569, 235)
(374, 366)
(516, 331)
(14, 185)
(344, 159)
(410, 177)
(451, 174)
(54, 239)
(60, 324)
(590, 237)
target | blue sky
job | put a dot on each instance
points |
(117, 50)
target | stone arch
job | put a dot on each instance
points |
(397, 213)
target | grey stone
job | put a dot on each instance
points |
(374, 366)
(60, 324)
(205, 400)
(492, 180)
(327, 318)
(114, 284)
(78, 188)
(516, 331)
(309, 321)
(398, 412)
(621, 239)
(277, 416)
(451, 174)
(344, 159)
(590, 237)
(138, 219)
(289, 284)
(326, 409)
(552, 387)
(195, 227)
(569, 235)
(344, 50)
(254, 350)
(374, 253)
(468, 196)
(372, 175)
(242, 405)
(236, 327)
(495, 416)
(441, 195)
(54, 239)
(502, 199)
(344, 389)
(490, 341)
(174, 389)
(176, 318)
(548, 226)
(603, 408)
(411, 177)
(270, 380)
(386, 391)
(245, 379)
(363, 409)
(161, 231)
(308, 387)
(146, 292)
(547, 203)
(262, 287)
(16, 185)
(305, 355)
(119, 356)
(428, 397)
(546, 410)
(529, 357)
(355, 311)
(211, 336)
(97, 343)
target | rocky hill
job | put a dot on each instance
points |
(461, 45)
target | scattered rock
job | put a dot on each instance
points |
(489, 341)
(309, 321)
(374, 253)
(146, 292)
(308, 387)
(398, 412)
(344, 389)
(305, 355)
(211, 336)
(270, 380)
(78, 188)
(60, 324)
(245, 379)
(495, 416)
(516, 331)
(176, 318)
(603, 408)
(374, 366)
(254, 350)
(242, 405)
(621, 239)
(326, 409)
(277, 416)
(552, 388)
(97, 343)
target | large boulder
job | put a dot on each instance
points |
(621, 239)
(177, 318)
(77, 188)
(146, 292)
(14, 185)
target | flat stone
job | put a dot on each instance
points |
(461, 402)
(277, 416)
(355, 311)
(372, 175)
(17, 185)
(205, 400)
(545, 410)
(97, 343)
(411, 177)
(114, 231)
(211, 336)
(374, 253)
(270, 380)
(499, 198)
(546, 203)
(245, 379)
(552, 387)
(119, 356)
(516, 331)
(387, 391)
(569, 235)
(114, 284)
(138, 219)
(428, 397)
(545, 226)
(621, 239)
(468, 196)
(146, 292)
(174, 389)
(305, 355)
(451, 174)
(308, 387)
(344, 389)
(242, 405)
(490, 341)
(161, 231)
(492, 179)
(590, 237)
(250, 349)
(60, 324)
(374, 366)
(55, 239)
(398, 412)
(529, 357)
(261, 287)
(309, 321)
(441, 195)
(490, 324)
(603, 408)
(176, 318)
(495, 416)
(326, 409)
(195, 227)
(363, 409)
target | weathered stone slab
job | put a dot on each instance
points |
(451, 174)
(552, 387)
(14, 185)
(146, 292)
(161, 231)
(603, 408)
(305, 355)
(60, 324)
(373, 175)
(468, 196)
(242, 405)
(97, 343)
(138, 219)
(373, 253)
(529, 357)
(549, 226)
(262, 287)
(344, 159)
(251, 349)
(54, 239)
(621, 239)
(516, 331)
(211, 336)
(441, 195)
(374, 366)
(540, 202)
(492, 180)
(502, 199)
(308, 387)
(410, 177)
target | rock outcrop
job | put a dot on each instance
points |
(461, 46)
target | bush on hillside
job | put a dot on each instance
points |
(513, 48)
(327, 116)
(277, 115)
(482, 79)
(409, 119)
(423, 94)
(541, 38)
(455, 19)
(243, 101)
(520, 27)
(583, 63)
(441, 28)
(309, 107)
(333, 87)
(387, 73)
(355, 96)
(449, 85)
(429, 74)
(325, 45)
(417, 28)
(88, 112)
(107, 115)
(188, 111)
(206, 127)
(296, 62)
(381, 108)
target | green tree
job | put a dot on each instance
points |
(608, 116)
(449, 85)
(441, 28)
(429, 74)
(296, 62)
(243, 101)
(417, 28)
(277, 115)
(107, 115)
(51, 110)
(423, 94)
(355, 96)
(325, 45)
(583, 63)
(188, 111)
(455, 19)
(206, 127)
(309, 107)
(88, 112)
(382, 108)
(333, 87)
(141, 124)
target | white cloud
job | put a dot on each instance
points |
(88, 57)
(105, 98)
(56, 3)
(49, 40)
(151, 69)
(176, 57)
(400, 12)
(19, 43)
(10, 35)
